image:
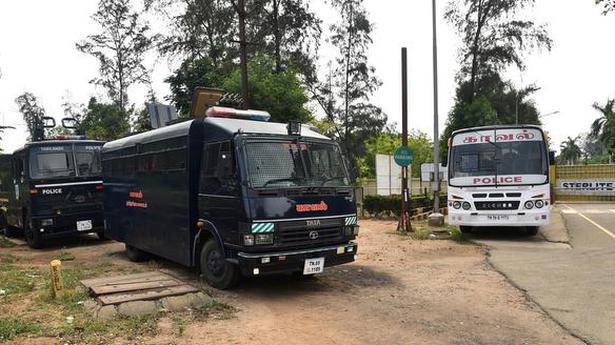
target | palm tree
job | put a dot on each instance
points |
(570, 151)
(603, 127)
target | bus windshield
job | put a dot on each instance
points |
(498, 157)
(65, 161)
(295, 164)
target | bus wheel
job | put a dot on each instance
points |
(32, 237)
(531, 230)
(215, 269)
(135, 254)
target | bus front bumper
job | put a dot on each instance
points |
(254, 264)
(493, 219)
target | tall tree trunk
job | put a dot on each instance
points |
(277, 34)
(243, 55)
(346, 83)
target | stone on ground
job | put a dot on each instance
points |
(107, 312)
(137, 308)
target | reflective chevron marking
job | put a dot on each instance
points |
(351, 220)
(262, 227)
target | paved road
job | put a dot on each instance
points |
(575, 284)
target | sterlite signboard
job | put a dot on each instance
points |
(595, 186)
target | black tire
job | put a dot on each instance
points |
(33, 238)
(466, 229)
(135, 254)
(531, 230)
(218, 272)
(12, 232)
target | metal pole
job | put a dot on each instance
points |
(404, 221)
(436, 141)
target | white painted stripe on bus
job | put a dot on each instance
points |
(67, 184)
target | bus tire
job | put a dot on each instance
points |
(531, 230)
(136, 254)
(217, 272)
(33, 238)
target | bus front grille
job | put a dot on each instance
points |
(496, 205)
(309, 236)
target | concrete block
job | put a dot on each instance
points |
(137, 308)
(176, 303)
(107, 312)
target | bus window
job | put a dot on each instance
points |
(88, 163)
(56, 164)
(218, 170)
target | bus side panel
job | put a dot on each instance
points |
(163, 228)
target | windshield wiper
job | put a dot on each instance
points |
(288, 179)
(332, 179)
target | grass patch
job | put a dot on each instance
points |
(13, 327)
(16, 280)
(8, 259)
(213, 310)
(5, 243)
(457, 235)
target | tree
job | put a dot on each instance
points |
(351, 82)
(603, 128)
(570, 152)
(291, 32)
(104, 121)
(607, 5)
(119, 48)
(33, 114)
(386, 143)
(280, 93)
(192, 74)
(492, 37)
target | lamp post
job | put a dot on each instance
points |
(436, 218)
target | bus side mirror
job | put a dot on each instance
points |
(551, 157)
(445, 160)
(48, 122)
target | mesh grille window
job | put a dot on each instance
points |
(274, 164)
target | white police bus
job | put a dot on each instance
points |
(499, 176)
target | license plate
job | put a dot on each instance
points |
(313, 266)
(84, 225)
(497, 217)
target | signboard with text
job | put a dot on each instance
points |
(596, 186)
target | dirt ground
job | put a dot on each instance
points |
(399, 291)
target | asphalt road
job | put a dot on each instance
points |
(573, 283)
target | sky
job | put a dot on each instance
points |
(37, 54)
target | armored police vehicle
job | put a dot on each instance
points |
(55, 190)
(232, 195)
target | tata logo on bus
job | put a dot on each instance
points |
(501, 137)
(322, 206)
(500, 180)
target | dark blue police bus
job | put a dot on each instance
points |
(54, 189)
(231, 196)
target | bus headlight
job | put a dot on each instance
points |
(248, 240)
(457, 205)
(466, 205)
(539, 203)
(529, 204)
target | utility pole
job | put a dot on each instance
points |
(435, 218)
(404, 221)
(243, 54)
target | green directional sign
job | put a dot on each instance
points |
(403, 156)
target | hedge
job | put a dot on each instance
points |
(379, 205)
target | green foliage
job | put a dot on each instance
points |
(280, 93)
(104, 121)
(570, 152)
(191, 74)
(603, 128)
(32, 113)
(386, 143)
(11, 327)
(456, 234)
(379, 205)
(119, 48)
